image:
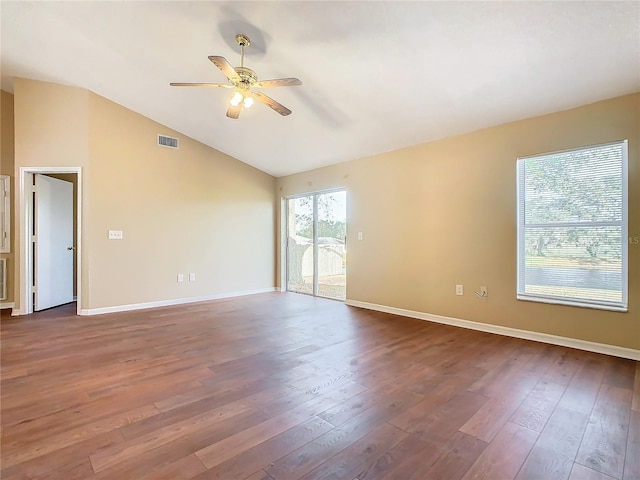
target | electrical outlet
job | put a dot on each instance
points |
(180, 278)
(459, 290)
(115, 234)
(192, 277)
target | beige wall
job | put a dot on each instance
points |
(51, 130)
(444, 213)
(6, 168)
(191, 210)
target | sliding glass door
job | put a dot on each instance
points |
(316, 244)
(300, 245)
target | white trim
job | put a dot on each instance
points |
(625, 222)
(4, 305)
(175, 301)
(25, 258)
(570, 301)
(506, 331)
(284, 245)
(5, 221)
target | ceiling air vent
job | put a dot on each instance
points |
(168, 142)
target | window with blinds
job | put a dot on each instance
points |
(572, 227)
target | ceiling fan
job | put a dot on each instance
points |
(243, 81)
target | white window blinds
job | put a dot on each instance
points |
(572, 227)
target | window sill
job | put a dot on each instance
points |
(572, 303)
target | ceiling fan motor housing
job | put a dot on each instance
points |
(247, 76)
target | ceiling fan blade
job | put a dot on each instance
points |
(220, 85)
(270, 102)
(278, 82)
(226, 68)
(234, 112)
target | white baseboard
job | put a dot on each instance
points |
(175, 301)
(4, 305)
(507, 331)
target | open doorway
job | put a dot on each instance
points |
(316, 234)
(50, 226)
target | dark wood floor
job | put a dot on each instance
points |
(285, 386)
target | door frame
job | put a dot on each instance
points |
(284, 222)
(24, 216)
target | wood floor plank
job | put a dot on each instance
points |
(355, 460)
(264, 455)
(231, 446)
(243, 401)
(563, 432)
(70, 463)
(146, 461)
(635, 404)
(74, 416)
(493, 415)
(544, 462)
(603, 446)
(513, 376)
(283, 386)
(139, 445)
(18, 453)
(456, 457)
(442, 421)
(583, 389)
(395, 463)
(301, 461)
(564, 367)
(261, 475)
(580, 472)
(184, 469)
(538, 406)
(632, 458)
(505, 454)
(620, 372)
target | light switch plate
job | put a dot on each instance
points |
(192, 277)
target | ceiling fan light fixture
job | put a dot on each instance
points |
(236, 99)
(247, 102)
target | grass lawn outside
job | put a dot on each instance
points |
(585, 263)
(575, 292)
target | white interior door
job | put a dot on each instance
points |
(53, 238)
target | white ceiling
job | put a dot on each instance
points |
(376, 76)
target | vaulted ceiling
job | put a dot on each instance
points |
(376, 76)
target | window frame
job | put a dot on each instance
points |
(621, 306)
(5, 214)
